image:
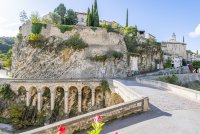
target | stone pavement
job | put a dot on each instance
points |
(169, 114)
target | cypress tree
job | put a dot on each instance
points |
(88, 17)
(96, 18)
(96, 14)
(127, 17)
(95, 6)
(92, 15)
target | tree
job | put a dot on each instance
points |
(56, 18)
(88, 13)
(96, 14)
(127, 18)
(23, 16)
(92, 16)
(61, 10)
(168, 63)
(71, 18)
(196, 65)
(35, 17)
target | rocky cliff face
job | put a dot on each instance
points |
(52, 61)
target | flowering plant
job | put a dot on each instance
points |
(61, 130)
(97, 125)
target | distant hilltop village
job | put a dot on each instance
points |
(80, 45)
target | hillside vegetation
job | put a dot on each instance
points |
(6, 43)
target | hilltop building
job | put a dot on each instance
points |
(174, 50)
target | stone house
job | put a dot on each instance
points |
(174, 50)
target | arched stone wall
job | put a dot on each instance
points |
(86, 102)
(22, 93)
(73, 101)
(46, 99)
(99, 98)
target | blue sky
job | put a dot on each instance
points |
(158, 17)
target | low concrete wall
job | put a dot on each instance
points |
(84, 121)
(124, 91)
(182, 78)
(178, 90)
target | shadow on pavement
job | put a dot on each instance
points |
(117, 124)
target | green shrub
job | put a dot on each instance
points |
(8, 62)
(196, 65)
(76, 42)
(37, 28)
(168, 63)
(19, 37)
(117, 55)
(94, 28)
(6, 92)
(169, 79)
(100, 58)
(105, 85)
(35, 37)
(64, 28)
(16, 112)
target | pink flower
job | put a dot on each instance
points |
(97, 118)
(61, 130)
(116, 133)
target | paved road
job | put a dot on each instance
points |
(169, 114)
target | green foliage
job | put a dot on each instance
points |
(75, 42)
(88, 20)
(169, 79)
(64, 28)
(196, 65)
(16, 112)
(8, 63)
(61, 10)
(93, 16)
(6, 43)
(71, 18)
(97, 128)
(19, 37)
(35, 37)
(105, 85)
(117, 55)
(37, 28)
(35, 18)
(56, 18)
(113, 28)
(130, 39)
(168, 63)
(94, 28)
(6, 92)
(100, 58)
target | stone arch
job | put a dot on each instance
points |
(73, 101)
(33, 96)
(59, 101)
(46, 99)
(86, 102)
(99, 97)
(22, 93)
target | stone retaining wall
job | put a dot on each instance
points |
(84, 121)
(178, 90)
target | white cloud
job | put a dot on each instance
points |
(2, 20)
(196, 32)
(8, 28)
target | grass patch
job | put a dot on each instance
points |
(64, 28)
